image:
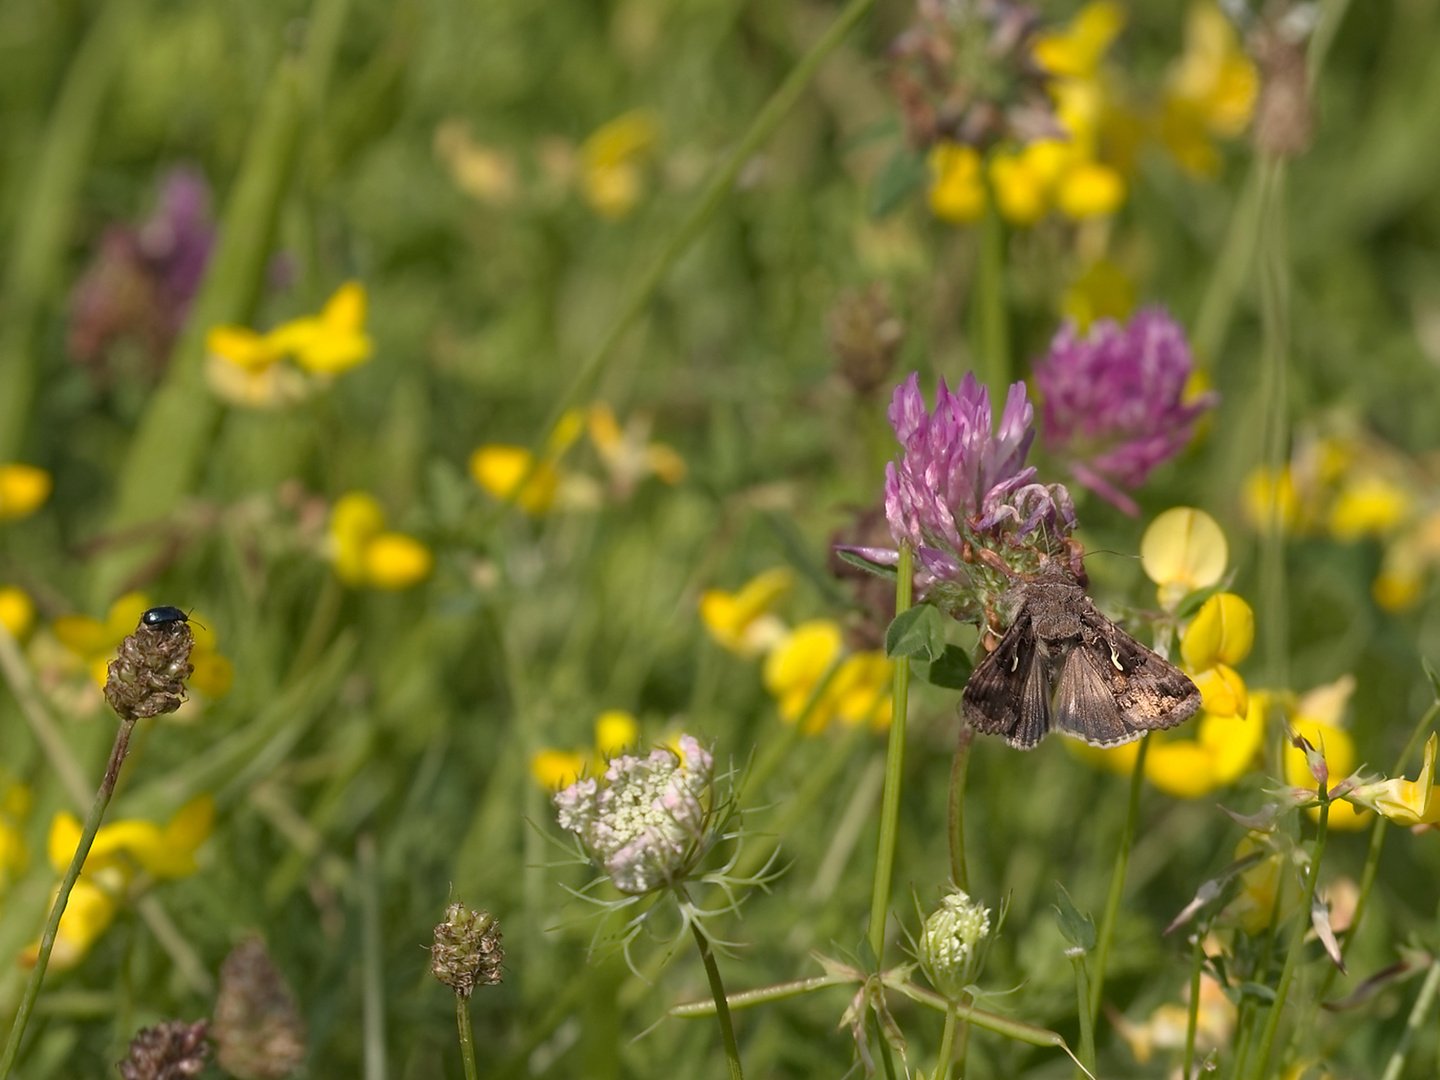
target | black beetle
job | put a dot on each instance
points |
(163, 616)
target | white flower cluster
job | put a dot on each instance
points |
(644, 826)
(953, 943)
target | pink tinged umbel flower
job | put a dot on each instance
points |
(647, 824)
(959, 485)
(1115, 401)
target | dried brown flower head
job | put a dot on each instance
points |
(466, 952)
(259, 1033)
(148, 676)
(865, 334)
(169, 1051)
(1284, 117)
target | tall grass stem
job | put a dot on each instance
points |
(894, 770)
(722, 1007)
(1117, 882)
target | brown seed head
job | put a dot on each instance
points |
(467, 951)
(148, 676)
(169, 1051)
(259, 1033)
(1284, 117)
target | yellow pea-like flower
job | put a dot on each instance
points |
(396, 561)
(23, 490)
(1222, 632)
(957, 183)
(1183, 550)
(615, 732)
(17, 611)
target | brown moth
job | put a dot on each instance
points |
(1064, 665)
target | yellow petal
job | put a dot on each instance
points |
(64, 838)
(355, 520)
(396, 561)
(665, 462)
(1413, 802)
(1182, 768)
(1076, 50)
(556, 769)
(1326, 704)
(88, 914)
(1265, 500)
(957, 186)
(499, 469)
(213, 675)
(1233, 742)
(23, 490)
(1338, 747)
(1369, 506)
(1223, 631)
(345, 311)
(242, 347)
(1089, 190)
(795, 666)
(17, 612)
(82, 635)
(615, 732)
(124, 616)
(862, 687)
(1183, 550)
(1222, 691)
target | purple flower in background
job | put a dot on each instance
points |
(1114, 401)
(141, 281)
(961, 487)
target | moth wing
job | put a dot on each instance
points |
(1008, 693)
(1085, 705)
(1150, 692)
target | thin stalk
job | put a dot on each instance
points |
(894, 769)
(371, 946)
(989, 322)
(1192, 1019)
(722, 1007)
(42, 725)
(947, 1046)
(761, 128)
(959, 771)
(1297, 946)
(1117, 883)
(1085, 1010)
(62, 897)
(1275, 353)
(1418, 1012)
(467, 1037)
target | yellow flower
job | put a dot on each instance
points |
(1253, 906)
(1220, 636)
(333, 341)
(275, 386)
(1076, 50)
(17, 612)
(500, 470)
(628, 455)
(1168, 1026)
(364, 554)
(1368, 506)
(1319, 716)
(14, 855)
(23, 490)
(1182, 551)
(957, 185)
(610, 176)
(615, 732)
(1267, 500)
(88, 914)
(246, 349)
(1211, 91)
(1406, 802)
(1024, 180)
(796, 664)
(480, 171)
(861, 690)
(742, 622)
(1090, 189)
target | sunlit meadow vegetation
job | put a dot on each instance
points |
(512, 428)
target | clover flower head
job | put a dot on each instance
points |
(647, 826)
(959, 485)
(1115, 401)
(953, 942)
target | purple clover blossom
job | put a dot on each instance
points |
(646, 825)
(143, 278)
(960, 486)
(1115, 403)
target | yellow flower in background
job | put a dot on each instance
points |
(627, 454)
(365, 554)
(1251, 910)
(1271, 500)
(1369, 505)
(121, 850)
(14, 855)
(855, 689)
(1182, 551)
(501, 469)
(1211, 91)
(333, 341)
(616, 731)
(743, 622)
(482, 172)
(611, 179)
(957, 183)
(1102, 291)
(1220, 635)
(1076, 50)
(244, 348)
(17, 611)
(23, 490)
(1319, 715)
(1168, 1026)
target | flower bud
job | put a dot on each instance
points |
(466, 952)
(168, 1051)
(953, 943)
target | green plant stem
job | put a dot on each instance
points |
(467, 1037)
(1084, 1009)
(42, 235)
(1418, 1012)
(761, 128)
(1232, 269)
(372, 945)
(1296, 947)
(947, 1046)
(52, 925)
(1275, 328)
(1117, 883)
(722, 1008)
(42, 725)
(894, 770)
(990, 328)
(959, 771)
(1192, 1018)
